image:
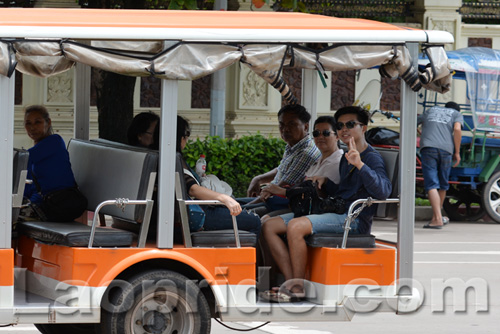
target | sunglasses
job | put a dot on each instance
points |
(351, 124)
(325, 133)
(187, 134)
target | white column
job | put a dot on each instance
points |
(315, 97)
(218, 92)
(6, 146)
(82, 102)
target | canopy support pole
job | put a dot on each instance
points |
(7, 90)
(166, 168)
(407, 152)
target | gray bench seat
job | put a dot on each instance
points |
(110, 177)
(334, 240)
(73, 234)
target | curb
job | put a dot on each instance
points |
(423, 213)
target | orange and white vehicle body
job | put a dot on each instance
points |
(55, 284)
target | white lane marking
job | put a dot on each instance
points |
(452, 262)
(15, 329)
(460, 252)
(277, 328)
(459, 242)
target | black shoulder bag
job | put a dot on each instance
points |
(304, 200)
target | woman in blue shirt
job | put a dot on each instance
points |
(48, 165)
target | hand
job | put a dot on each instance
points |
(233, 206)
(265, 194)
(274, 189)
(319, 180)
(456, 158)
(254, 187)
(353, 156)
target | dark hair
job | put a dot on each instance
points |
(326, 119)
(182, 128)
(140, 124)
(362, 114)
(452, 105)
(297, 110)
(42, 111)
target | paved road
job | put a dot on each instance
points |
(467, 253)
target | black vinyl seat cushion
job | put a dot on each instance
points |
(222, 238)
(73, 234)
(334, 240)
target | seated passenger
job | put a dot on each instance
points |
(141, 131)
(216, 217)
(362, 175)
(300, 154)
(326, 141)
(50, 169)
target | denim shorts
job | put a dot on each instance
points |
(326, 222)
(436, 166)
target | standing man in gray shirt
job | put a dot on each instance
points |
(439, 146)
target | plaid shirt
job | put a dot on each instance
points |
(296, 161)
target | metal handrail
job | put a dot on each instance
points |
(353, 214)
(120, 203)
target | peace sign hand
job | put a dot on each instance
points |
(353, 156)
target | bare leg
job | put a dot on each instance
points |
(272, 229)
(436, 203)
(297, 229)
(442, 196)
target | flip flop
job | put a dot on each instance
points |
(446, 220)
(281, 296)
(437, 227)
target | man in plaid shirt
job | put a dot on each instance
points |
(300, 152)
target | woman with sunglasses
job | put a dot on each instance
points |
(326, 141)
(362, 175)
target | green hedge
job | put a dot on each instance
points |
(236, 161)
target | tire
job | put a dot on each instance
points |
(461, 208)
(154, 302)
(491, 197)
(67, 328)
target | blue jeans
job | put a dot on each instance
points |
(219, 218)
(326, 222)
(436, 167)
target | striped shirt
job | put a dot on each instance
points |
(296, 161)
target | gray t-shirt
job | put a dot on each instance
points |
(437, 127)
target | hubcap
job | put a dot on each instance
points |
(161, 312)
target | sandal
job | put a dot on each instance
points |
(281, 296)
(446, 220)
(437, 227)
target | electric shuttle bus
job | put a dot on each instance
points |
(83, 277)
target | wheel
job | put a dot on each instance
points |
(67, 328)
(155, 302)
(463, 205)
(491, 197)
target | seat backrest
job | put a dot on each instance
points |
(391, 161)
(106, 172)
(20, 163)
